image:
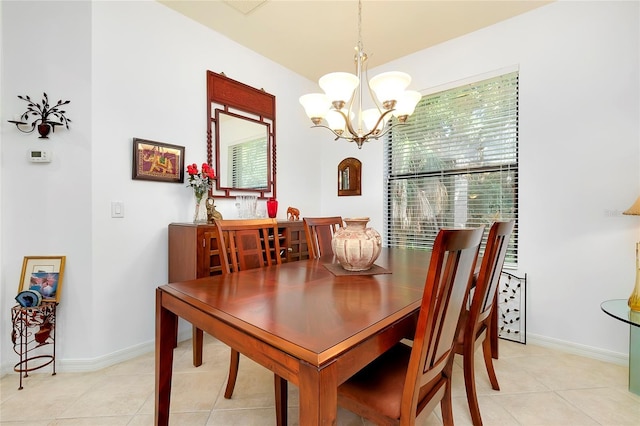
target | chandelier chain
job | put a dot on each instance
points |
(360, 26)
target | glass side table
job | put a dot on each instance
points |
(619, 310)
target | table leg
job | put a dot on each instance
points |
(166, 329)
(318, 395)
(198, 339)
(281, 387)
(634, 360)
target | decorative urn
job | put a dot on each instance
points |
(355, 245)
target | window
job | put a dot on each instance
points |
(454, 164)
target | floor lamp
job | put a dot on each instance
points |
(634, 299)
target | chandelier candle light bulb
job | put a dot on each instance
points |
(343, 89)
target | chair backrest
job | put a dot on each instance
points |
(490, 270)
(450, 275)
(248, 243)
(319, 232)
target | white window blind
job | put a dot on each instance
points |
(248, 164)
(455, 164)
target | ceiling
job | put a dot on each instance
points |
(314, 37)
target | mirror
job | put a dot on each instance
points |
(243, 152)
(241, 133)
(349, 171)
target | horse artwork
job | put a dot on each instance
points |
(293, 213)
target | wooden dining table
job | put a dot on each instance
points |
(311, 326)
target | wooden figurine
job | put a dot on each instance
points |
(293, 213)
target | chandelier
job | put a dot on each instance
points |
(341, 107)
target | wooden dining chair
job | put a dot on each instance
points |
(248, 244)
(476, 320)
(319, 232)
(407, 380)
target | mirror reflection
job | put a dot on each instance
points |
(243, 152)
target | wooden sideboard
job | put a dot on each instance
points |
(194, 251)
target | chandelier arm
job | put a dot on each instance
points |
(384, 132)
(348, 124)
(331, 130)
(380, 119)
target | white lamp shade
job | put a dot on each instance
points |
(407, 103)
(370, 117)
(316, 105)
(335, 121)
(339, 86)
(388, 86)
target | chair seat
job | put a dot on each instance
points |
(381, 391)
(380, 384)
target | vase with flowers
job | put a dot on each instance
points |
(201, 181)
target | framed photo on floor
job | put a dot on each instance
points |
(44, 275)
(157, 161)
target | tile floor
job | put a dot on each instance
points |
(538, 387)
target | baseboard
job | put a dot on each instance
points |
(577, 349)
(94, 364)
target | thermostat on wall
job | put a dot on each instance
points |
(39, 156)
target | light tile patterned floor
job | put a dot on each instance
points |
(538, 387)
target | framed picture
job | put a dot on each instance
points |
(157, 161)
(44, 275)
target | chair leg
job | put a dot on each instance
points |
(446, 405)
(470, 382)
(488, 362)
(197, 346)
(280, 386)
(233, 373)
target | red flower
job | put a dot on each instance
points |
(192, 169)
(200, 181)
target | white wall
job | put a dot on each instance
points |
(46, 208)
(127, 75)
(137, 69)
(579, 157)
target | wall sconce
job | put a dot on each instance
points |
(41, 116)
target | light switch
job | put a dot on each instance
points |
(117, 209)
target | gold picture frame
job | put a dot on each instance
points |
(44, 275)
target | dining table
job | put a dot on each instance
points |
(310, 322)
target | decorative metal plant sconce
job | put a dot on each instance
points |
(41, 116)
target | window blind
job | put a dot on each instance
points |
(249, 164)
(454, 164)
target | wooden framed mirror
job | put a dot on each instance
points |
(349, 172)
(241, 141)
